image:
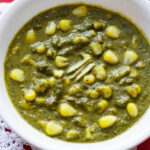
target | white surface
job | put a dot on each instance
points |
(21, 12)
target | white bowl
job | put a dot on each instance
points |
(14, 18)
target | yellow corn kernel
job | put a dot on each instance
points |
(63, 123)
(72, 134)
(75, 89)
(88, 133)
(130, 57)
(96, 48)
(27, 60)
(61, 61)
(65, 24)
(30, 95)
(40, 49)
(40, 100)
(67, 81)
(93, 93)
(53, 129)
(140, 65)
(113, 32)
(30, 36)
(67, 110)
(42, 123)
(110, 57)
(133, 74)
(80, 11)
(89, 79)
(49, 53)
(41, 86)
(25, 105)
(132, 109)
(134, 90)
(93, 32)
(15, 49)
(80, 39)
(51, 81)
(58, 73)
(106, 91)
(107, 121)
(100, 73)
(50, 28)
(99, 25)
(102, 105)
(17, 75)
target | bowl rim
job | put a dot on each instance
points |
(139, 138)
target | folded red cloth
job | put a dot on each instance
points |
(6, 1)
(145, 145)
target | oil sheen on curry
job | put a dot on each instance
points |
(79, 73)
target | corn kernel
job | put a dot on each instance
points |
(40, 49)
(110, 57)
(140, 65)
(88, 133)
(72, 134)
(93, 94)
(133, 74)
(130, 57)
(63, 123)
(96, 48)
(106, 91)
(40, 100)
(41, 86)
(100, 73)
(17, 75)
(134, 90)
(15, 49)
(25, 105)
(99, 25)
(30, 36)
(67, 110)
(102, 105)
(132, 109)
(61, 61)
(113, 32)
(50, 28)
(80, 39)
(65, 25)
(27, 60)
(30, 95)
(51, 81)
(42, 123)
(80, 11)
(75, 89)
(58, 73)
(53, 129)
(107, 121)
(67, 81)
(89, 79)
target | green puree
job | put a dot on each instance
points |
(79, 73)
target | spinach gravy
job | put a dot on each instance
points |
(79, 73)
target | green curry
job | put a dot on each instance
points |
(79, 73)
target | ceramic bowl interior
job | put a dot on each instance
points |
(22, 11)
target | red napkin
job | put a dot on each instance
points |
(6, 1)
